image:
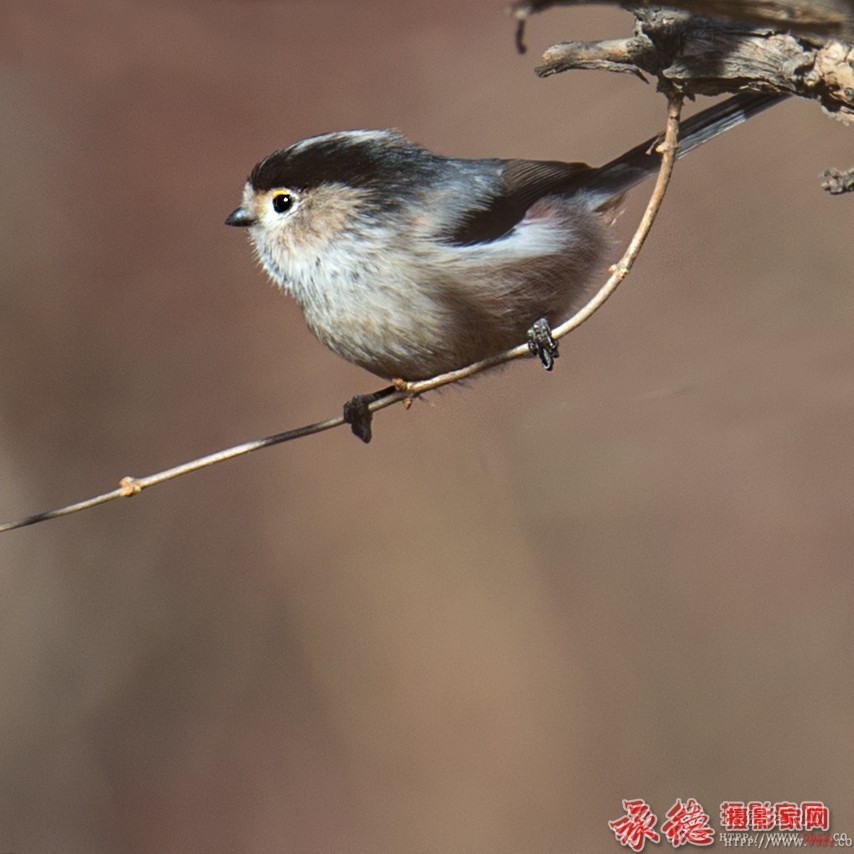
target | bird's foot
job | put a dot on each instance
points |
(541, 344)
(358, 414)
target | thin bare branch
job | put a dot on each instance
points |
(130, 486)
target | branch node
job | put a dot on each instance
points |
(129, 486)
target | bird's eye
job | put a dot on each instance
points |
(283, 202)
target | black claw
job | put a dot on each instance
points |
(541, 344)
(357, 413)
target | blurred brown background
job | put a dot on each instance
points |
(528, 598)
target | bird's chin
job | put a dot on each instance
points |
(273, 266)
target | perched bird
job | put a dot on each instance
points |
(411, 264)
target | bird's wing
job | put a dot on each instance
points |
(524, 183)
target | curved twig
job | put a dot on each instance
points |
(130, 486)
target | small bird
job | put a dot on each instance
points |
(411, 264)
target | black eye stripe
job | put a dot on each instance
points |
(283, 202)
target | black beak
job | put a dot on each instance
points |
(240, 218)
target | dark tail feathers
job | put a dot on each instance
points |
(614, 178)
